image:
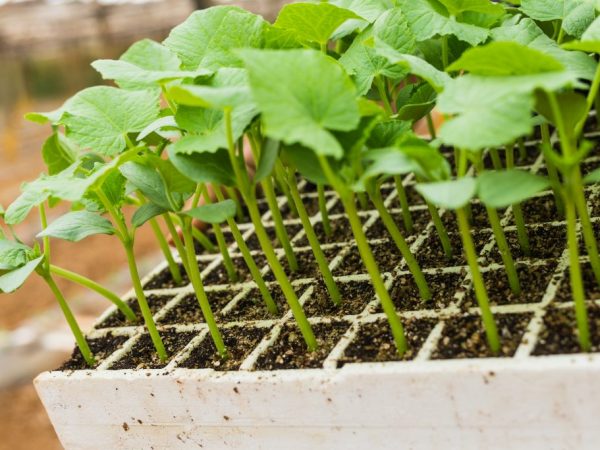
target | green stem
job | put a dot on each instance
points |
(233, 195)
(489, 323)
(591, 97)
(45, 239)
(249, 197)
(383, 95)
(444, 52)
(177, 241)
(441, 229)
(509, 264)
(197, 235)
(86, 282)
(332, 287)
(164, 246)
(323, 210)
(84, 348)
(405, 210)
(127, 240)
(280, 230)
(431, 126)
(496, 162)
(400, 242)
(516, 209)
(254, 270)
(227, 261)
(279, 174)
(576, 277)
(198, 286)
(552, 172)
(522, 149)
(367, 257)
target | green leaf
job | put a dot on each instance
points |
(493, 111)
(210, 97)
(306, 162)
(388, 161)
(302, 94)
(100, 117)
(113, 188)
(363, 62)
(18, 210)
(147, 180)
(51, 117)
(543, 10)
(78, 225)
(387, 133)
(505, 58)
(592, 177)
(418, 105)
(208, 38)
(575, 15)
(204, 167)
(14, 254)
(214, 213)
(368, 10)
(507, 187)
(453, 194)
(313, 22)
(158, 124)
(268, 157)
(590, 39)
(427, 19)
(415, 65)
(146, 212)
(526, 32)
(13, 280)
(458, 7)
(431, 164)
(58, 153)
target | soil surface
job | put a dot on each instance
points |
(100, 347)
(118, 319)
(253, 307)
(187, 310)
(289, 350)
(355, 296)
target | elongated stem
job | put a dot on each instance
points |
(368, 259)
(383, 95)
(164, 246)
(127, 240)
(576, 278)
(403, 199)
(254, 270)
(196, 280)
(431, 126)
(279, 174)
(516, 209)
(280, 230)
(198, 235)
(227, 261)
(400, 242)
(489, 323)
(84, 348)
(323, 210)
(591, 98)
(444, 51)
(522, 149)
(441, 229)
(45, 239)
(177, 241)
(496, 162)
(332, 287)
(504, 249)
(249, 197)
(552, 172)
(90, 284)
(233, 195)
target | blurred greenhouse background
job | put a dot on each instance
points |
(46, 47)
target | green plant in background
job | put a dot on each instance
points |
(329, 91)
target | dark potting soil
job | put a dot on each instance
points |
(532, 152)
(431, 253)
(252, 306)
(545, 242)
(188, 311)
(101, 348)
(338, 208)
(386, 254)
(374, 342)
(539, 210)
(289, 349)
(254, 244)
(118, 319)
(307, 265)
(164, 280)
(218, 275)
(590, 286)
(311, 204)
(355, 296)
(406, 297)
(420, 220)
(340, 232)
(534, 281)
(559, 333)
(464, 337)
(143, 354)
(200, 250)
(240, 341)
(479, 218)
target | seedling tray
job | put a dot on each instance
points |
(353, 392)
